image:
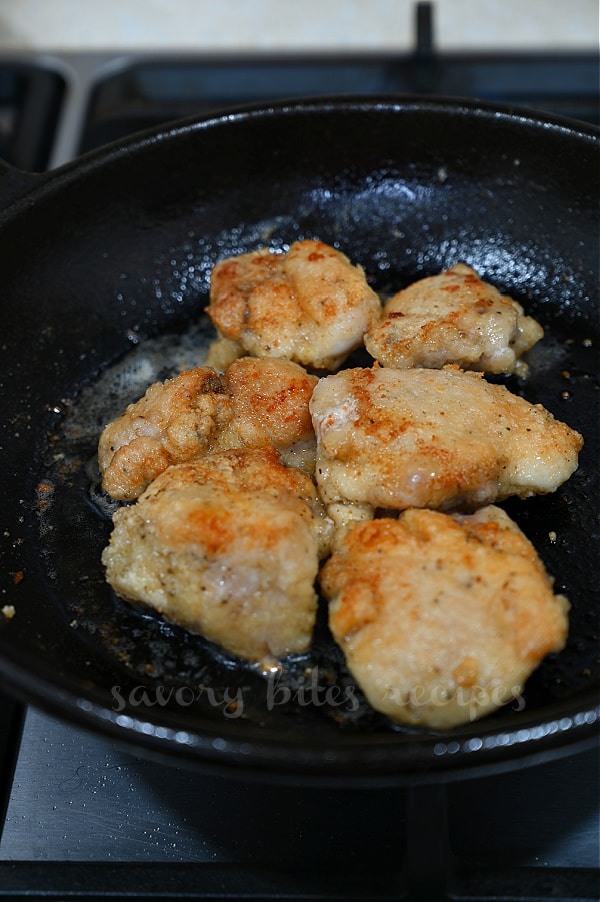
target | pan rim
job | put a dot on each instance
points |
(397, 756)
(552, 736)
(321, 104)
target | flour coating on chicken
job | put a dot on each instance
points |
(310, 305)
(433, 438)
(442, 618)
(254, 403)
(227, 546)
(454, 317)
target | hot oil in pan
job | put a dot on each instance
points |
(159, 664)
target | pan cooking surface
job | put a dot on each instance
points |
(167, 664)
(114, 298)
(164, 665)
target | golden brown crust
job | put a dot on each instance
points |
(310, 305)
(254, 403)
(443, 439)
(270, 404)
(228, 546)
(442, 618)
(454, 317)
(173, 422)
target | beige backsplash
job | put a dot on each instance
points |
(283, 25)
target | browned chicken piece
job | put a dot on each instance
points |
(174, 421)
(310, 305)
(454, 317)
(442, 618)
(227, 546)
(433, 438)
(270, 405)
(198, 411)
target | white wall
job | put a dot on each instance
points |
(274, 25)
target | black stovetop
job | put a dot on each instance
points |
(59, 106)
(83, 818)
(88, 819)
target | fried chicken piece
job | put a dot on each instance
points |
(444, 439)
(454, 317)
(255, 402)
(222, 352)
(174, 421)
(310, 305)
(227, 546)
(270, 405)
(441, 618)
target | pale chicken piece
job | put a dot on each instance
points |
(226, 546)
(442, 618)
(445, 439)
(254, 403)
(310, 305)
(454, 317)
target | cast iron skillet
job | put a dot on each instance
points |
(104, 258)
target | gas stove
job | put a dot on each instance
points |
(56, 107)
(84, 818)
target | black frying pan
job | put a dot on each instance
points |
(112, 255)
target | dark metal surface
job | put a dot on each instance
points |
(87, 818)
(143, 90)
(31, 95)
(118, 248)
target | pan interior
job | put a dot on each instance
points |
(113, 300)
